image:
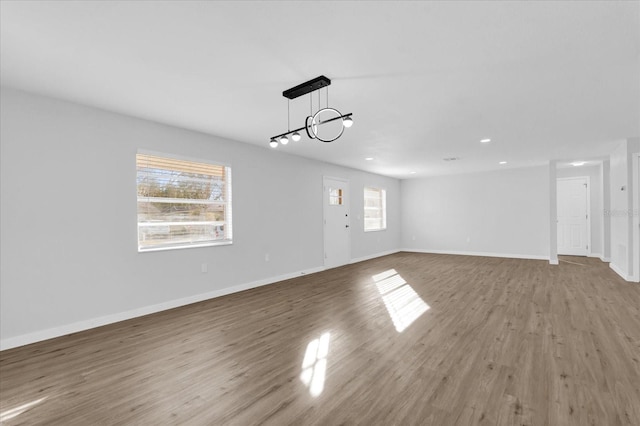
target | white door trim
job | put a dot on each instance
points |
(606, 206)
(635, 185)
(588, 179)
(588, 215)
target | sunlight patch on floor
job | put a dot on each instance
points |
(15, 412)
(402, 302)
(314, 365)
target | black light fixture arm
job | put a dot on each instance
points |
(303, 127)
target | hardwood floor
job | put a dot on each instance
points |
(493, 341)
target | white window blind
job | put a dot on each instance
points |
(375, 209)
(182, 203)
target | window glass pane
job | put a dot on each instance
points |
(150, 211)
(182, 203)
(335, 196)
(375, 215)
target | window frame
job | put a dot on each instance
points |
(382, 209)
(227, 205)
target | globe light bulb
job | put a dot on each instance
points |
(347, 121)
(273, 143)
(295, 137)
(284, 140)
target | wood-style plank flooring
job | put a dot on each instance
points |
(503, 342)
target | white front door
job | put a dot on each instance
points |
(573, 219)
(337, 234)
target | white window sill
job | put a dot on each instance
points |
(185, 246)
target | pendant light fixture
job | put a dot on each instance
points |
(326, 124)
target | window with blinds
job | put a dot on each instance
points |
(375, 209)
(182, 203)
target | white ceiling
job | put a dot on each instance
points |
(424, 80)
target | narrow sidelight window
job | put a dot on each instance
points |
(375, 209)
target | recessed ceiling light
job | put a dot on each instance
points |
(503, 162)
(485, 140)
(578, 163)
(412, 173)
(369, 158)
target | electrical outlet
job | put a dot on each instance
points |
(204, 268)
(413, 238)
(266, 257)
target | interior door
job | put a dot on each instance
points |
(337, 231)
(573, 216)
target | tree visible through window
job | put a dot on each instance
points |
(182, 203)
(375, 209)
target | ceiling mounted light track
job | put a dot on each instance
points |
(326, 124)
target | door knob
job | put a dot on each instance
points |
(346, 226)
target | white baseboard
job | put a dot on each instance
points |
(63, 330)
(476, 253)
(620, 272)
(373, 256)
(595, 256)
(554, 261)
(601, 257)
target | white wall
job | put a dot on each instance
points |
(622, 188)
(69, 256)
(504, 213)
(596, 213)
